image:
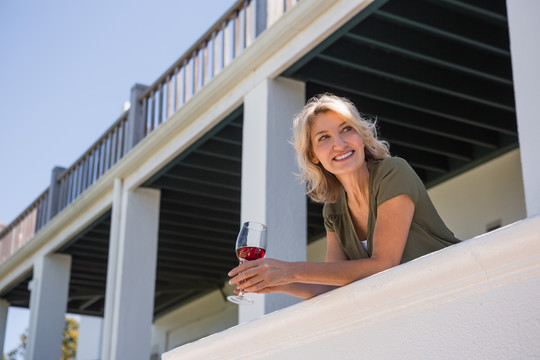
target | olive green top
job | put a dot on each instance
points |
(389, 178)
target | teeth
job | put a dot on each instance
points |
(343, 156)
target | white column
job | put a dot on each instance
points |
(4, 307)
(112, 270)
(524, 28)
(48, 301)
(89, 340)
(129, 298)
(271, 193)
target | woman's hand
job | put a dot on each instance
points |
(261, 276)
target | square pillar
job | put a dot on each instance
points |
(271, 193)
(129, 298)
(4, 307)
(524, 27)
(89, 339)
(48, 302)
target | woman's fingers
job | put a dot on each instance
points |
(259, 276)
(247, 277)
(243, 267)
(244, 278)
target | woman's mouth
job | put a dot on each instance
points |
(344, 156)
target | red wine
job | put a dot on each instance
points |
(249, 253)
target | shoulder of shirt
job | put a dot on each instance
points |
(385, 166)
(393, 161)
(333, 209)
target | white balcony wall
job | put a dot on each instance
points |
(445, 305)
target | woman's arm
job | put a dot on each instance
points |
(334, 252)
(390, 235)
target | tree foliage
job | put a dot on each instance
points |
(69, 344)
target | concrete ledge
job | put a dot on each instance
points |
(475, 299)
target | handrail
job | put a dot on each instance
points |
(23, 228)
(200, 63)
(221, 44)
(99, 158)
(84, 172)
(229, 14)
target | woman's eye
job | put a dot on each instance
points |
(324, 137)
(347, 128)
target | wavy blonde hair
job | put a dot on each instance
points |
(321, 185)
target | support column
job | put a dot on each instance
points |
(271, 193)
(129, 298)
(524, 28)
(89, 341)
(48, 301)
(4, 307)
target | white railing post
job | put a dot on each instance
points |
(261, 18)
(136, 119)
(53, 205)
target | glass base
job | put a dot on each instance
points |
(240, 300)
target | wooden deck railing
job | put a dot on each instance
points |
(23, 228)
(66, 186)
(150, 106)
(219, 46)
(99, 158)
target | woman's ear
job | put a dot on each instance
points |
(313, 158)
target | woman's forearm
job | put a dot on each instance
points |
(300, 279)
(305, 291)
(335, 274)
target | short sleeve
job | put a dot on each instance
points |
(396, 177)
(329, 218)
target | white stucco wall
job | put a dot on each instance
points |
(207, 315)
(474, 300)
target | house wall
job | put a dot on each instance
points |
(488, 194)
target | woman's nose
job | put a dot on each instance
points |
(338, 142)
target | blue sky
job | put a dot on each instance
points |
(66, 69)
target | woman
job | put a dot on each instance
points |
(377, 212)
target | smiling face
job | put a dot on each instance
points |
(336, 144)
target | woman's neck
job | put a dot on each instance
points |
(356, 185)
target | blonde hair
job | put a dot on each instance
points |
(321, 185)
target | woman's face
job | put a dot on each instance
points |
(336, 144)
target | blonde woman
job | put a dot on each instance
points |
(377, 212)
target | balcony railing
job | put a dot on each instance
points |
(23, 228)
(101, 156)
(151, 106)
(217, 48)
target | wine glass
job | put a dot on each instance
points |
(250, 245)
